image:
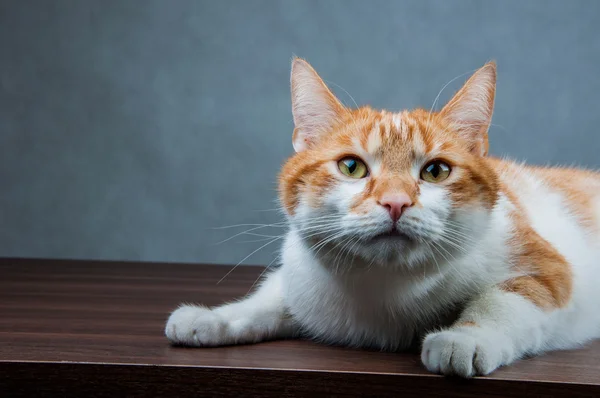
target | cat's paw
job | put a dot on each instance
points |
(463, 352)
(196, 326)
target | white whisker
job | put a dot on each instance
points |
(248, 256)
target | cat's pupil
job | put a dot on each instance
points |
(434, 170)
(351, 164)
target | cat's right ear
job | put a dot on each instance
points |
(314, 107)
(470, 110)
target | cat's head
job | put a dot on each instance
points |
(384, 187)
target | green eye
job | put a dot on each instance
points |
(435, 171)
(353, 167)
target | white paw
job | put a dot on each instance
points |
(464, 352)
(196, 326)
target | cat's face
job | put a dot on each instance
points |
(402, 188)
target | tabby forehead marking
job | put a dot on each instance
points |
(374, 140)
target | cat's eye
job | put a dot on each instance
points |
(353, 167)
(435, 171)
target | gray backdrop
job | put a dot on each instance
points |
(129, 129)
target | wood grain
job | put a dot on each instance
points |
(90, 328)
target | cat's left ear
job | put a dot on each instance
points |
(316, 110)
(469, 112)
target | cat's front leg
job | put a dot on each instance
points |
(495, 329)
(261, 316)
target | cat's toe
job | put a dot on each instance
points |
(460, 353)
(195, 326)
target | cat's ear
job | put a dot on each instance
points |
(316, 110)
(469, 112)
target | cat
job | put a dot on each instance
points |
(403, 231)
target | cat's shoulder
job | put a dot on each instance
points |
(545, 190)
(506, 169)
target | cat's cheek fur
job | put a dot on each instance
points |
(330, 200)
(311, 221)
(342, 194)
(431, 213)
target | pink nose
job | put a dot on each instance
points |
(395, 204)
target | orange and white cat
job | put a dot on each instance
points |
(402, 230)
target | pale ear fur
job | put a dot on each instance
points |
(469, 112)
(314, 107)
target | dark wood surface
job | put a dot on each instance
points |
(86, 328)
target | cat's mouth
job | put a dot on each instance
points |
(391, 234)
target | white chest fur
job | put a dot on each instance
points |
(381, 308)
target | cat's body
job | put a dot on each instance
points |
(419, 237)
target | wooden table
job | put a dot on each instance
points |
(95, 329)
